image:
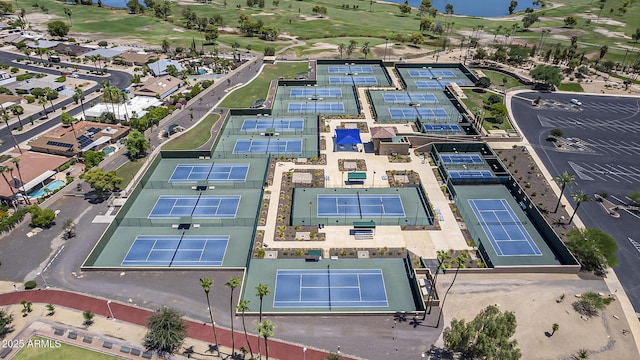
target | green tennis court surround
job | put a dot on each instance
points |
(357, 176)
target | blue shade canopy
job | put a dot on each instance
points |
(348, 136)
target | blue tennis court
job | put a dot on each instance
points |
(353, 80)
(176, 250)
(441, 127)
(192, 173)
(275, 124)
(350, 69)
(196, 206)
(461, 159)
(432, 113)
(403, 113)
(505, 231)
(315, 106)
(403, 98)
(315, 92)
(330, 288)
(429, 84)
(270, 146)
(357, 205)
(431, 73)
(470, 174)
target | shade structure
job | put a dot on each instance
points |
(348, 136)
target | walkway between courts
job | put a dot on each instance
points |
(138, 316)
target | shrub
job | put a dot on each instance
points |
(31, 284)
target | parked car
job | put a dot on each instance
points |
(576, 102)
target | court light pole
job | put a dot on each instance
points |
(374, 179)
(417, 207)
(345, 213)
(310, 203)
(43, 280)
(304, 353)
(110, 311)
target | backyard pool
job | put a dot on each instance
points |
(52, 186)
(108, 150)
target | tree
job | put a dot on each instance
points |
(262, 290)
(51, 309)
(341, 48)
(549, 74)
(207, 284)
(137, 144)
(554, 132)
(243, 306)
(426, 24)
(79, 94)
(590, 303)
(415, 39)
(269, 51)
(265, 329)
(42, 217)
(232, 283)
(68, 120)
(134, 7)
(4, 170)
(5, 118)
(58, 28)
(5, 321)
(69, 228)
(405, 8)
(579, 197)
(498, 111)
(594, 249)
(26, 307)
(512, 6)
(88, 316)
(50, 95)
(17, 110)
(554, 328)
(16, 162)
(603, 52)
(92, 158)
(563, 180)
(102, 182)
(211, 33)
(635, 196)
(365, 50)
(571, 21)
(460, 260)
(448, 8)
(166, 331)
(486, 336)
(165, 43)
(483, 82)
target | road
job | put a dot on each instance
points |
(120, 79)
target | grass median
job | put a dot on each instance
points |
(194, 137)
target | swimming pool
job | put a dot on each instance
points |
(108, 150)
(52, 186)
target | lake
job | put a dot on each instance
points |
(484, 8)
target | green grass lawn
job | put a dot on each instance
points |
(475, 101)
(128, 171)
(572, 86)
(258, 88)
(50, 351)
(195, 137)
(496, 79)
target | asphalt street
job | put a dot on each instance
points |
(603, 149)
(120, 79)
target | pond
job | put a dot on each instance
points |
(481, 8)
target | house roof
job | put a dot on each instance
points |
(71, 49)
(14, 39)
(348, 136)
(5, 98)
(42, 44)
(62, 139)
(32, 165)
(160, 67)
(158, 85)
(384, 132)
(105, 53)
(136, 58)
(38, 83)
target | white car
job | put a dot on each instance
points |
(576, 102)
(74, 75)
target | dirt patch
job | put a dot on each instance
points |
(608, 33)
(263, 14)
(178, 29)
(312, 17)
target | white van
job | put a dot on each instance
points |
(576, 102)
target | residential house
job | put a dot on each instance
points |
(131, 58)
(159, 87)
(28, 85)
(159, 68)
(70, 49)
(85, 135)
(134, 107)
(35, 169)
(42, 44)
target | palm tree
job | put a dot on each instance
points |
(243, 306)
(5, 117)
(579, 197)
(79, 94)
(341, 48)
(16, 161)
(554, 328)
(262, 290)
(265, 329)
(232, 283)
(27, 51)
(17, 110)
(48, 93)
(460, 260)
(207, 284)
(3, 170)
(443, 257)
(43, 101)
(563, 180)
(165, 45)
(365, 50)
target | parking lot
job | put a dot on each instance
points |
(601, 148)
